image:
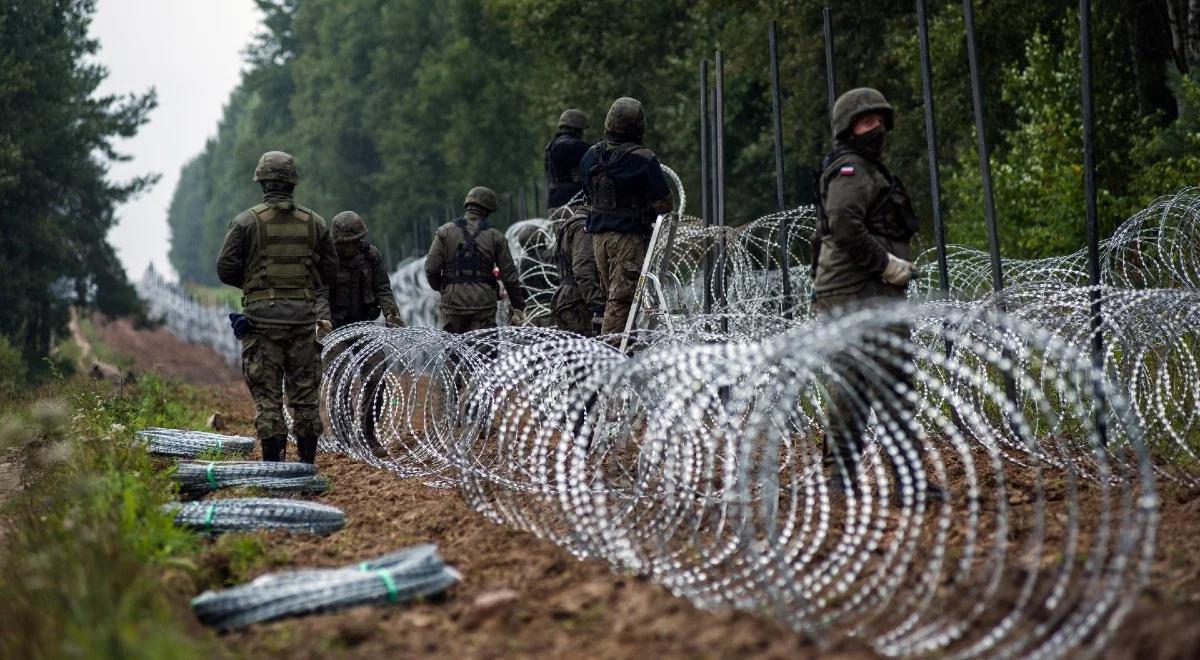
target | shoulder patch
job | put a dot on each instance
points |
(846, 170)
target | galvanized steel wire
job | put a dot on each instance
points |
(253, 513)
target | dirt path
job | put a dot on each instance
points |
(161, 352)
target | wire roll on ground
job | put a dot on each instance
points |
(199, 477)
(398, 577)
(252, 513)
(184, 443)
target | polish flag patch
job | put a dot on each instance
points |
(847, 170)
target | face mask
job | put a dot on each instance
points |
(871, 142)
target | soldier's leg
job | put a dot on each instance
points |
(847, 409)
(456, 324)
(303, 371)
(625, 256)
(371, 403)
(262, 368)
(482, 320)
(600, 244)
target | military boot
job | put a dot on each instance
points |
(306, 447)
(272, 448)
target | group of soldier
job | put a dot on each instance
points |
(300, 281)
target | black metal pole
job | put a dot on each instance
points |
(524, 207)
(1093, 223)
(985, 166)
(705, 180)
(935, 186)
(719, 186)
(830, 80)
(785, 248)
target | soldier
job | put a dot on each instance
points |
(361, 291)
(459, 266)
(280, 255)
(865, 222)
(627, 190)
(578, 304)
(563, 153)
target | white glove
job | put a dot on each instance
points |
(516, 317)
(898, 271)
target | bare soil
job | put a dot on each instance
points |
(161, 352)
(552, 605)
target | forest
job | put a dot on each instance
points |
(394, 108)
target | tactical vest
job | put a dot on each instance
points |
(352, 295)
(606, 195)
(470, 264)
(284, 265)
(890, 215)
(561, 177)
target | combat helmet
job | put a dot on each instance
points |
(856, 103)
(348, 226)
(572, 118)
(626, 117)
(482, 196)
(277, 166)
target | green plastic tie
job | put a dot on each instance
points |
(220, 444)
(393, 595)
(364, 567)
(208, 515)
(208, 472)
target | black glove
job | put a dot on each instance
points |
(240, 324)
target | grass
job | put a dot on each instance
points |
(221, 295)
(90, 564)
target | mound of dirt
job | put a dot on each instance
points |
(163, 353)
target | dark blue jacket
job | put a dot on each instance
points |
(562, 168)
(636, 175)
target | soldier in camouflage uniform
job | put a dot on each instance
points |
(627, 190)
(563, 153)
(459, 266)
(281, 256)
(865, 224)
(578, 304)
(361, 291)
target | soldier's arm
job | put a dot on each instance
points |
(381, 284)
(658, 190)
(587, 277)
(231, 262)
(434, 261)
(326, 267)
(846, 206)
(509, 275)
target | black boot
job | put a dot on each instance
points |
(306, 447)
(272, 448)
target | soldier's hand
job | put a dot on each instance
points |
(899, 271)
(323, 328)
(394, 321)
(516, 317)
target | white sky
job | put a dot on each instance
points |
(191, 52)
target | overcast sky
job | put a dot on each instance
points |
(191, 52)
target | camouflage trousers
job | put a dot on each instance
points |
(272, 358)
(370, 379)
(619, 259)
(460, 322)
(862, 385)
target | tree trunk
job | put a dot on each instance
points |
(1150, 36)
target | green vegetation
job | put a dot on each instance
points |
(395, 107)
(90, 564)
(56, 201)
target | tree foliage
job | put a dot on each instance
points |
(57, 203)
(394, 108)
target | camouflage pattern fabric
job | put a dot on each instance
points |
(272, 356)
(465, 322)
(619, 259)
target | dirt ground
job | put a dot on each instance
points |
(548, 603)
(159, 351)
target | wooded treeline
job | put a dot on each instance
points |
(394, 108)
(57, 203)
